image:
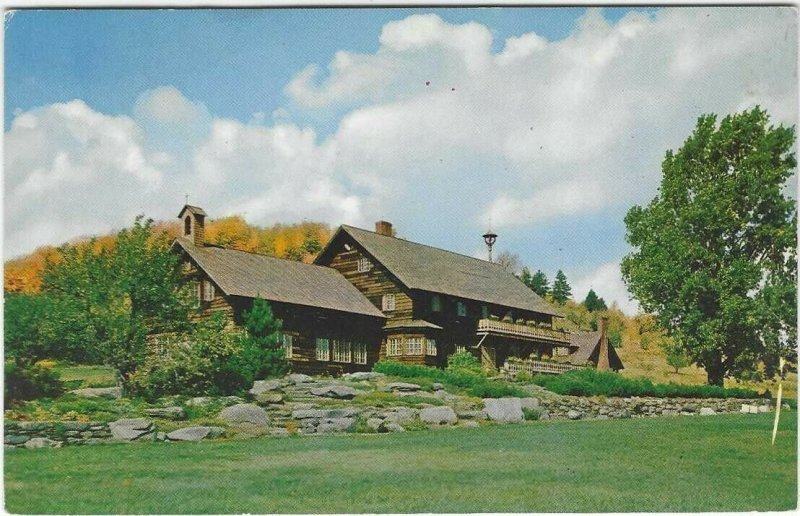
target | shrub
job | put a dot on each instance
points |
(28, 382)
(488, 389)
(531, 414)
(463, 361)
(590, 382)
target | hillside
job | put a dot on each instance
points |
(300, 241)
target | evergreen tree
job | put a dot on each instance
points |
(594, 303)
(561, 289)
(539, 283)
(262, 353)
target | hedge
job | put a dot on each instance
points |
(590, 382)
(476, 384)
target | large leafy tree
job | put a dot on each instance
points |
(106, 299)
(561, 288)
(715, 252)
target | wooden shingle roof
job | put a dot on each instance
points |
(422, 267)
(587, 343)
(192, 209)
(244, 274)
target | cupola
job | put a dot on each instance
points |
(193, 224)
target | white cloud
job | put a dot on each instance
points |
(606, 281)
(431, 124)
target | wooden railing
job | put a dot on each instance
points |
(539, 366)
(522, 330)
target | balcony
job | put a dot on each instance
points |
(521, 331)
(539, 366)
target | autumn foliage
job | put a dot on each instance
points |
(300, 241)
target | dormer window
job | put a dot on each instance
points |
(436, 304)
(387, 302)
(364, 265)
(187, 226)
(461, 309)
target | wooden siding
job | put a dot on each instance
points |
(374, 283)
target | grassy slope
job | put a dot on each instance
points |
(651, 364)
(722, 463)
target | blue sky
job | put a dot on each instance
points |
(547, 123)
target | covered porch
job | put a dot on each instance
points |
(499, 341)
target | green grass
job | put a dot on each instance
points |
(81, 376)
(720, 463)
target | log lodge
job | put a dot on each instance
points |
(370, 296)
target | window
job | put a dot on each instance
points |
(287, 342)
(414, 346)
(461, 309)
(436, 304)
(341, 351)
(561, 351)
(484, 312)
(387, 302)
(359, 352)
(208, 291)
(393, 347)
(460, 349)
(187, 225)
(323, 349)
(187, 266)
(430, 347)
(198, 293)
(364, 265)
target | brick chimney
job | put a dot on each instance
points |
(193, 226)
(602, 359)
(383, 227)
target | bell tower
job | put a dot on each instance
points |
(193, 224)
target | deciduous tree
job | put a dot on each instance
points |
(715, 252)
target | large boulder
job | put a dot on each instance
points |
(246, 414)
(99, 392)
(529, 403)
(438, 416)
(173, 413)
(503, 410)
(339, 392)
(131, 429)
(199, 401)
(574, 414)
(269, 398)
(403, 387)
(363, 375)
(195, 433)
(399, 415)
(706, 411)
(42, 442)
(262, 386)
(334, 425)
(296, 378)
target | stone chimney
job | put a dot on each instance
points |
(383, 227)
(602, 359)
(193, 227)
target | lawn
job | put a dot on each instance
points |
(80, 376)
(720, 463)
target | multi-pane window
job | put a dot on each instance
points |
(387, 302)
(436, 304)
(198, 293)
(430, 347)
(208, 291)
(287, 342)
(364, 265)
(460, 349)
(461, 309)
(323, 349)
(394, 347)
(484, 312)
(562, 351)
(342, 351)
(414, 346)
(360, 352)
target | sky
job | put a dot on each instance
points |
(544, 124)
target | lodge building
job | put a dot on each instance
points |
(370, 296)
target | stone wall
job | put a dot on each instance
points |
(53, 434)
(575, 407)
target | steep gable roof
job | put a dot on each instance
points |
(422, 267)
(192, 209)
(587, 343)
(244, 274)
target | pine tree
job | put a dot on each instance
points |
(539, 283)
(262, 354)
(561, 289)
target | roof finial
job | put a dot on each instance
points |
(187, 198)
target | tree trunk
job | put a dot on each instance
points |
(715, 371)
